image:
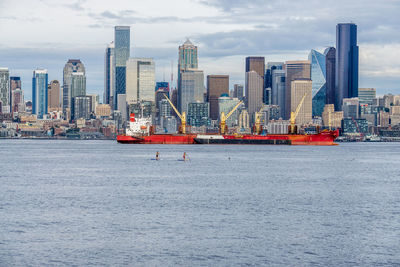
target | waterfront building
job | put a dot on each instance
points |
(366, 95)
(217, 85)
(53, 90)
(318, 77)
(81, 107)
(299, 88)
(354, 126)
(198, 114)
(121, 55)
(226, 104)
(346, 63)
(5, 90)
(39, 93)
(191, 88)
(140, 80)
(294, 70)
(254, 92)
(72, 66)
(350, 108)
(109, 75)
(330, 66)
(238, 91)
(332, 118)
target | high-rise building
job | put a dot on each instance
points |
(299, 88)
(72, 66)
(191, 89)
(254, 92)
(187, 61)
(39, 92)
(332, 118)
(294, 70)
(351, 107)
(269, 94)
(217, 85)
(5, 90)
(278, 83)
(366, 95)
(53, 95)
(140, 80)
(78, 84)
(318, 77)
(197, 114)
(94, 102)
(330, 66)
(238, 91)
(122, 43)
(162, 86)
(256, 64)
(17, 97)
(346, 63)
(109, 76)
(81, 107)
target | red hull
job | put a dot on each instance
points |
(157, 139)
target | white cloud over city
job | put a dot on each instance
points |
(47, 33)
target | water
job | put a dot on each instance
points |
(95, 203)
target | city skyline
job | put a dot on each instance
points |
(218, 28)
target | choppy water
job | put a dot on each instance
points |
(94, 203)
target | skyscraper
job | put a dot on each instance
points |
(5, 90)
(278, 84)
(72, 66)
(191, 89)
(301, 87)
(140, 80)
(318, 77)
(187, 61)
(78, 84)
(53, 95)
(109, 78)
(81, 107)
(122, 43)
(254, 92)
(294, 70)
(366, 95)
(330, 65)
(39, 92)
(256, 64)
(217, 85)
(238, 91)
(15, 84)
(346, 63)
(269, 94)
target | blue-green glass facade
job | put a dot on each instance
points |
(318, 77)
(39, 93)
(121, 55)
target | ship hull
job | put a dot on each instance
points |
(157, 139)
(325, 138)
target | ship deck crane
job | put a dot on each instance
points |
(293, 115)
(223, 118)
(181, 116)
(257, 124)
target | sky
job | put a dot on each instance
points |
(46, 33)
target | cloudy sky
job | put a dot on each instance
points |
(46, 33)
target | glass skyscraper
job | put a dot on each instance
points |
(346, 63)
(109, 74)
(330, 63)
(140, 80)
(318, 77)
(5, 90)
(72, 66)
(39, 92)
(121, 55)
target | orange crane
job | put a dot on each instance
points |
(223, 118)
(293, 115)
(181, 116)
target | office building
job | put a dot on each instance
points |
(109, 75)
(187, 56)
(162, 86)
(366, 95)
(225, 105)
(39, 93)
(165, 108)
(332, 118)
(254, 92)
(198, 114)
(122, 43)
(72, 66)
(238, 91)
(53, 95)
(350, 108)
(256, 64)
(294, 70)
(17, 97)
(5, 90)
(191, 89)
(269, 93)
(318, 77)
(140, 80)
(330, 66)
(94, 101)
(346, 63)
(81, 107)
(354, 126)
(217, 85)
(299, 89)
(78, 84)
(103, 111)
